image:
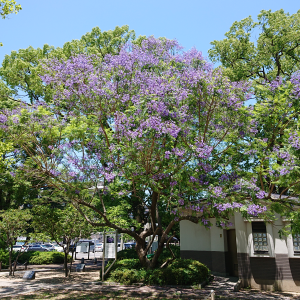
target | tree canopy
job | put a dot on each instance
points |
(125, 129)
(271, 63)
(150, 119)
(8, 7)
(276, 51)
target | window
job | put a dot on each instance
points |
(296, 241)
(260, 242)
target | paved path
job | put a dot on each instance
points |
(223, 287)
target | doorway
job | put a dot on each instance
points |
(232, 253)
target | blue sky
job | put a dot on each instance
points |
(191, 22)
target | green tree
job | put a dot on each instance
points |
(276, 51)
(271, 62)
(13, 223)
(59, 222)
(8, 7)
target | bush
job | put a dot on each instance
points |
(127, 269)
(179, 272)
(44, 258)
(189, 271)
(125, 276)
(127, 254)
(124, 264)
(34, 258)
(4, 257)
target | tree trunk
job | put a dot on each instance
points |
(66, 262)
(142, 255)
(158, 252)
(10, 260)
(74, 249)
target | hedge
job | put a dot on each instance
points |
(34, 258)
(179, 272)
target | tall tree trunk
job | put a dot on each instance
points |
(10, 263)
(73, 250)
(10, 260)
(66, 261)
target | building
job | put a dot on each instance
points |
(253, 251)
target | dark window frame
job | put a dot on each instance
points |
(259, 231)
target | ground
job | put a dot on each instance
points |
(51, 284)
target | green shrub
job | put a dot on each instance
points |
(127, 254)
(187, 272)
(44, 258)
(25, 256)
(4, 257)
(127, 269)
(125, 276)
(3, 245)
(156, 277)
(124, 264)
(34, 258)
(179, 272)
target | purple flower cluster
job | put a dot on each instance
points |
(275, 84)
(255, 209)
(294, 140)
(181, 201)
(221, 207)
(295, 80)
(217, 192)
(261, 195)
(3, 118)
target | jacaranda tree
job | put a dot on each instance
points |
(152, 122)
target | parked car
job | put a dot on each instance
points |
(36, 248)
(99, 247)
(50, 247)
(17, 248)
(58, 248)
(129, 245)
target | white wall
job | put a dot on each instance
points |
(217, 238)
(194, 237)
(197, 238)
(241, 234)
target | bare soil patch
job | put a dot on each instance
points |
(55, 277)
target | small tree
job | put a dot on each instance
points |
(13, 223)
(61, 223)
